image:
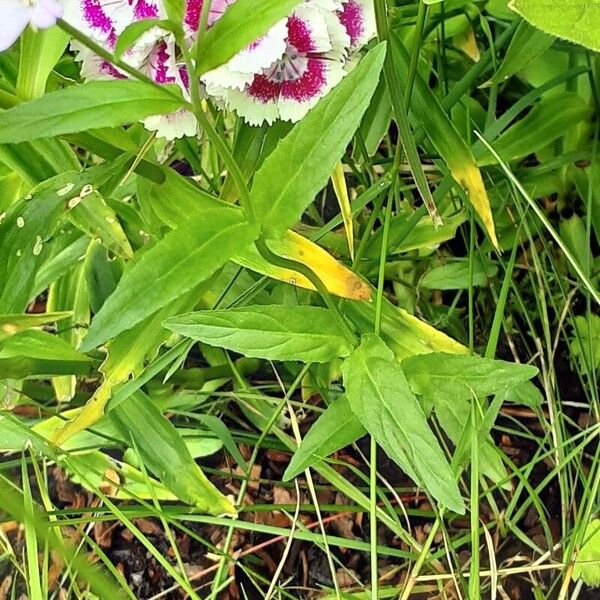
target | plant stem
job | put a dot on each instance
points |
(301, 268)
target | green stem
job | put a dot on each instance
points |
(286, 263)
(414, 58)
(107, 56)
(218, 142)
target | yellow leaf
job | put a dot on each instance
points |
(469, 177)
(338, 279)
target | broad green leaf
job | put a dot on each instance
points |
(40, 51)
(305, 333)
(446, 139)
(88, 106)
(309, 153)
(11, 324)
(93, 216)
(527, 44)
(379, 395)
(336, 428)
(185, 257)
(439, 376)
(164, 452)
(573, 20)
(39, 160)
(587, 561)
(34, 353)
(457, 276)
(244, 22)
(27, 228)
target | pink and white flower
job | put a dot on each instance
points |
(358, 19)
(15, 15)
(282, 75)
(312, 63)
(154, 54)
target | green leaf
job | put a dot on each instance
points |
(457, 276)
(439, 375)
(93, 216)
(555, 116)
(40, 51)
(185, 257)
(587, 562)
(95, 471)
(309, 153)
(305, 333)
(526, 45)
(453, 414)
(446, 139)
(573, 20)
(11, 324)
(34, 353)
(134, 31)
(164, 452)
(585, 343)
(89, 106)
(336, 428)
(28, 226)
(244, 22)
(175, 9)
(379, 395)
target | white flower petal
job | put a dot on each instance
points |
(14, 17)
(45, 13)
(173, 126)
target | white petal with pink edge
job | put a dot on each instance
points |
(358, 19)
(240, 70)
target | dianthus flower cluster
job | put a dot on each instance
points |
(280, 76)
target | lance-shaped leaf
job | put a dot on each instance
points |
(439, 376)
(164, 452)
(309, 153)
(185, 257)
(336, 428)
(446, 139)
(81, 107)
(380, 396)
(306, 333)
(34, 353)
(11, 324)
